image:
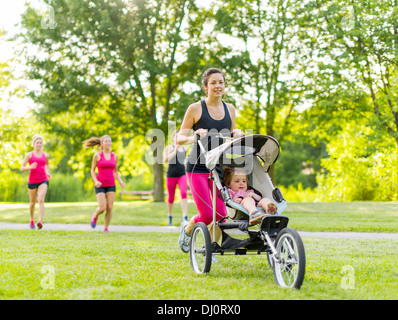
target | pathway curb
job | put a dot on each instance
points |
(175, 229)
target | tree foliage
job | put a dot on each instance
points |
(112, 67)
(318, 75)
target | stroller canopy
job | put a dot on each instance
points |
(233, 152)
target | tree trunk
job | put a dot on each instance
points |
(158, 182)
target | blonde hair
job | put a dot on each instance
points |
(94, 141)
(36, 137)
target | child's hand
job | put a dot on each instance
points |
(249, 195)
(238, 200)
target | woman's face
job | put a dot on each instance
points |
(106, 143)
(238, 182)
(216, 85)
(38, 144)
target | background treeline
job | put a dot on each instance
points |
(320, 76)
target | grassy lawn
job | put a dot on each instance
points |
(92, 265)
(70, 265)
(326, 216)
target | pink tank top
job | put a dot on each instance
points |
(38, 174)
(105, 170)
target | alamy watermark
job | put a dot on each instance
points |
(48, 281)
(157, 140)
(348, 279)
(48, 21)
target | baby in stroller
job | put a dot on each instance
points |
(237, 182)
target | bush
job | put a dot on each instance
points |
(359, 170)
(65, 188)
(13, 187)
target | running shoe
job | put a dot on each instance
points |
(184, 238)
(106, 230)
(32, 224)
(39, 225)
(93, 221)
(256, 217)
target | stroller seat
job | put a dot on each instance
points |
(237, 212)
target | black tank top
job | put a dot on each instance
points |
(196, 161)
(176, 167)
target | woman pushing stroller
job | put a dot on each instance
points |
(209, 114)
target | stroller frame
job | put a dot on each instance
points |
(283, 245)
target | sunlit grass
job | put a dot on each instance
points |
(305, 216)
(93, 265)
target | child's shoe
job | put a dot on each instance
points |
(272, 208)
(39, 225)
(256, 216)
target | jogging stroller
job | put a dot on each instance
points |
(283, 246)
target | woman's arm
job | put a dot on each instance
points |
(25, 161)
(47, 166)
(116, 173)
(97, 184)
(192, 115)
(237, 132)
(169, 155)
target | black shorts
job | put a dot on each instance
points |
(105, 189)
(36, 185)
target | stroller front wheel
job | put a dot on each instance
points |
(201, 249)
(289, 265)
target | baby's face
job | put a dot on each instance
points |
(238, 182)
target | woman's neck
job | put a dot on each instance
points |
(213, 101)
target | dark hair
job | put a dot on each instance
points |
(230, 172)
(208, 73)
(94, 141)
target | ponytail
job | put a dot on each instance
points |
(93, 141)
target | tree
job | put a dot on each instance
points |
(258, 46)
(357, 67)
(117, 65)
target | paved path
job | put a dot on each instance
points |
(116, 228)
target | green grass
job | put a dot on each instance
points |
(305, 216)
(93, 265)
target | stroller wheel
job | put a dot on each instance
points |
(289, 265)
(201, 249)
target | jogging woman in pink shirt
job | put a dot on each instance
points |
(39, 176)
(106, 163)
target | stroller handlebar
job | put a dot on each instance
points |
(215, 135)
(212, 135)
